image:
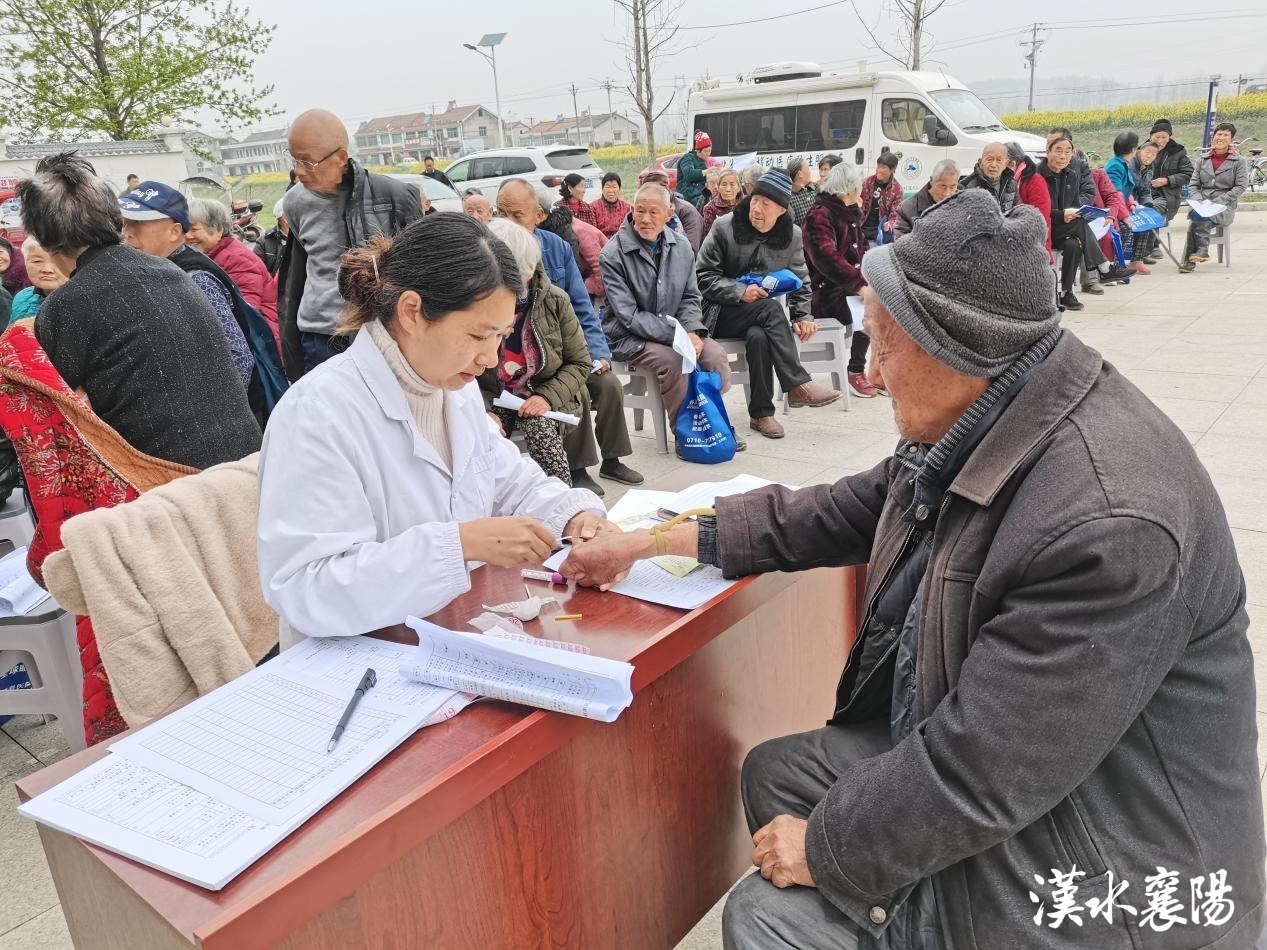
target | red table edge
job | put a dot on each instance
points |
(297, 897)
(374, 845)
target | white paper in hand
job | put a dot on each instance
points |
(1099, 227)
(682, 345)
(855, 311)
(512, 402)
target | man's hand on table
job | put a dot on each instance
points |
(779, 851)
(608, 558)
(586, 525)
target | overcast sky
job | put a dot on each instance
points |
(377, 57)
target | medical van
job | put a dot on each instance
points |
(786, 109)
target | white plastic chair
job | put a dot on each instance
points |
(46, 643)
(16, 524)
(642, 395)
(826, 352)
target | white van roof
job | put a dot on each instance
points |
(924, 81)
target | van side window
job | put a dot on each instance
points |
(902, 120)
(717, 125)
(763, 130)
(829, 126)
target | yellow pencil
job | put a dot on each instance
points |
(567, 616)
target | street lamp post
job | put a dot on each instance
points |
(491, 40)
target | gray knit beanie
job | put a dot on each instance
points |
(972, 286)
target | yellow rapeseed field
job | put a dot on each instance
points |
(1137, 114)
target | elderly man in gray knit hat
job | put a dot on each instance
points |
(1047, 715)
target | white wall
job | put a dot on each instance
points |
(167, 167)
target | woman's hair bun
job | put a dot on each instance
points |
(361, 274)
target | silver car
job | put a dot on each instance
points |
(544, 166)
(442, 197)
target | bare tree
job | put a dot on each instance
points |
(912, 37)
(651, 39)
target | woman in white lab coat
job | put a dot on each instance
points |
(382, 480)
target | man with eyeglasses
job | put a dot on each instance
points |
(335, 205)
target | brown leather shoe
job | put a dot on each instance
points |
(812, 395)
(768, 427)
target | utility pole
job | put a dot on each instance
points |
(608, 85)
(576, 113)
(1031, 58)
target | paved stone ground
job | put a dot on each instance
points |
(1196, 344)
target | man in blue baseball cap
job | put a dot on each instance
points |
(155, 219)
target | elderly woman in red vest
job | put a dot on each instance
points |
(211, 231)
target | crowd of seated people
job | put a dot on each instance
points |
(398, 331)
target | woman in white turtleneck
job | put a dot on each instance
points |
(382, 480)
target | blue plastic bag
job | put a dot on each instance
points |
(776, 282)
(702, 427)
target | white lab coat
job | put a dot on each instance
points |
(359, 517)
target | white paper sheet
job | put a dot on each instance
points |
(138, 813)
(258, 743)
(1206, 209)
(343, 660)
(204, 792)
(1099, 227)
(655, 585)
(740, 162)
(704, 494)
(682, 344)
(19, 594)
(637, 508)
(533, 675)
(855, 310)
(510, 401)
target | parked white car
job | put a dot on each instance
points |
(545, 166)
(443, 198)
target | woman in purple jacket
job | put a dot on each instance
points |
(834, 245)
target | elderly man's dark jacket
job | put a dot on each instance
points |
(642, 288)
(376, 204)
(1085, 687)
(912, 208)
(1004, 190)
(733, 247)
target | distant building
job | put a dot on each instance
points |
(263, 151)
(167, 158)
(587, 129)
(402, 139)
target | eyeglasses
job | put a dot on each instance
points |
(303, 163)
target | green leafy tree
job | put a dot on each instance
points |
(126, 68)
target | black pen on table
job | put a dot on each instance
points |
(368, 680)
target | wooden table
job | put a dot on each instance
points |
(510, 827)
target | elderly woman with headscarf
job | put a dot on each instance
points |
(45, 278)
(211, 231)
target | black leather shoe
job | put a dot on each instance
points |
(581, 479)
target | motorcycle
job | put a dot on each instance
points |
(244, 226)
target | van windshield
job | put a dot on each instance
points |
(967, 111)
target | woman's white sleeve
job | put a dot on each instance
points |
(524, 489)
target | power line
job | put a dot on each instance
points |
(1074, 92)
(764, 19)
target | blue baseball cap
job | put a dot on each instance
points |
(152, 200)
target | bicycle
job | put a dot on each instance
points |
(1257, 164)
